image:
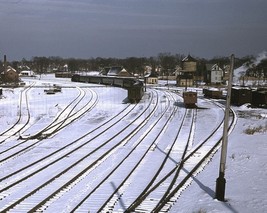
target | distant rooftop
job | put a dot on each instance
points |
(189, 58)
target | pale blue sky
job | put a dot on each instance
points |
(124, 28)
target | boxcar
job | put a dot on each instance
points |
(190, 99)
(59, 74)
(212, 93)
(84, 79)
(135, 92)
(241, 95)
(107, 81)
(95, 79)
(134, 86)
(75, 78)
(118, 82)
(259, 98)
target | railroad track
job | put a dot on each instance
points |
(70, 113)
(166, 191)
(90, 182)
(20, 130)
(23, 116)
(186, 125)
(15, 184)
(92, 191)
(125, 164)
(64, 118)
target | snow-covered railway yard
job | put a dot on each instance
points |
(103, 154)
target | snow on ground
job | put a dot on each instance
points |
(246, 169)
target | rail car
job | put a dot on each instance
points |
(134, 86)
(212, 93)
(190, 99)
(120, 82)
(60, 74)
(106, 80)
(259, 97)
(241, 95)
(135, 92)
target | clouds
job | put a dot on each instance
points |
(92, 28)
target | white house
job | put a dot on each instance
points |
(28, 73)
(151, 78)
(216, 75)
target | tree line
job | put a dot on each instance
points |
(136, 65)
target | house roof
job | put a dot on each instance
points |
(124, 72)
(114, 71)
(189, 58)
(105, 71)
(152, 74)
(216, 67)
(9, 68)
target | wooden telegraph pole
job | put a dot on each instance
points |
(220, 182)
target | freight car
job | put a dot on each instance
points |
(259, 97)
(106, 80)
(212, 93)
(135, 92)
(134, 86)
(241, 95)
(75, 78)
(86, 79)
(60, 74)
(190, 99)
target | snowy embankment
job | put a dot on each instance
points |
(246, 171)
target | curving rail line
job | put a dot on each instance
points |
(22, 120)
(68, 168)
(177, 179)
(76, 165)
(68, 115)
(59, 123)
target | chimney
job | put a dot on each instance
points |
(5, 64)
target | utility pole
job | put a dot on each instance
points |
(220, 182)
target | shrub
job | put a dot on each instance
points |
(253, 130)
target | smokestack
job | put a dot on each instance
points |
(5, 64)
